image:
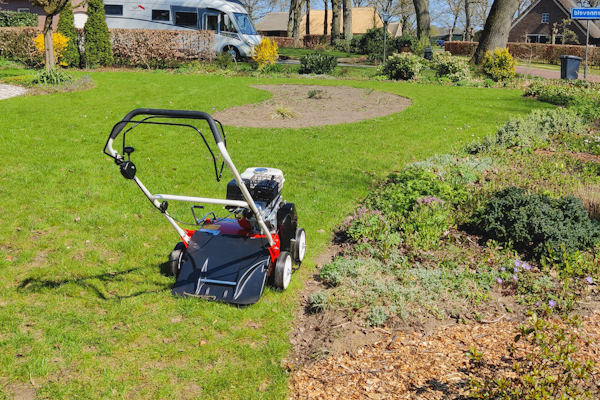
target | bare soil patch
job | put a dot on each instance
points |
(299, 106)
(404, 365)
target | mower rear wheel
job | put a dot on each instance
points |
(283, 271)
(175, 259)
(300, 246)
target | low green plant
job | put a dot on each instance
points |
(426, 223)
(451, 67)
(534, 224)
(316, 94)
(54, 76)
(499, 64)
(533, 131)
(418, 46)
(317, 301)
(223, 60)
(377, 316)
(284, 113)
(403, 66)
(333, 273)
(367, 225)
(583, 99)
(317, 63)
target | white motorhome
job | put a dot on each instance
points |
(228, 19)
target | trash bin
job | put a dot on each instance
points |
(569, 65)
(428, 53)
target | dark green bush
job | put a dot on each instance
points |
(403, 66)
(98, 49)
(371, 44)
(536, 225)
(66, 26)
(13, 18)
(317, 63)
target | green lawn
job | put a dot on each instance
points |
(84, 309)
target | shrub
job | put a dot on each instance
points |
(377, 315)
(98, 49)
(17, 44)
(12, 18)
(403, 66)
(499, 65)
(418, 46)
(582, 99)
(367, 225)
(460, 48)
(59, 44)
(536, 224)
(371, 44)
(265, 53)
(404, 41)
(317, 63)
(454, 68)
(66, 27)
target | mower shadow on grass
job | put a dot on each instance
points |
(40, 284)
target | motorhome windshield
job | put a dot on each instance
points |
(244, 24)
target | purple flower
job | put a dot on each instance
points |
(502, 269)
(517, 263)
(526, 267)
(551, 303)
(514, 278)
(589, 280)
(536, 304)
(499, 280)
(515, 270)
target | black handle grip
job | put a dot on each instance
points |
(169, 114)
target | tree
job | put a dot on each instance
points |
(66, 26)
(347, 9)
(98, 50)
(51, 8)
(326, 2)
(568, 36)
(258, 8)
(467, 37)
(497, 26)
(307, 29)
(454, 8)
(423, 20)
(335, 20)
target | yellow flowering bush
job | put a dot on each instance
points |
(499, 64)
(59, 42)
(265, 53)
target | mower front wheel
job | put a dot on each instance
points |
(283, 271)
(299, 246)
(175, 259)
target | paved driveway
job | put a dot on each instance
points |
(546, 73)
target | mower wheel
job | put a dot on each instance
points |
(175, 259)
(283, 271)
(300, 246)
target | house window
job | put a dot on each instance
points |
(188, 19)
(160, 15)
(22, 9)
(113, 9)
(545, 18)
(536, 38)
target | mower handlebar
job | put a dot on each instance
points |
(158, 112)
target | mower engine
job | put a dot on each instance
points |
(264, 185)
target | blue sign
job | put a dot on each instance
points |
(585, 13)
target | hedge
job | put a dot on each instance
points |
(160, 48)
(131, 47)
(547, 53)
(14, 18)
(17, 44)
(283, 41)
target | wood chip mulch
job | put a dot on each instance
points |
(417, 366)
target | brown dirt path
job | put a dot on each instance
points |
(299, 106)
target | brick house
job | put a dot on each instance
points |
(534, 25)
(24, 5)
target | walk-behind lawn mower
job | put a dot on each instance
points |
(223, 259)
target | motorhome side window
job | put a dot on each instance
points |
(212, 22)
(160, 15)
(186, 18)
(113, 9)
